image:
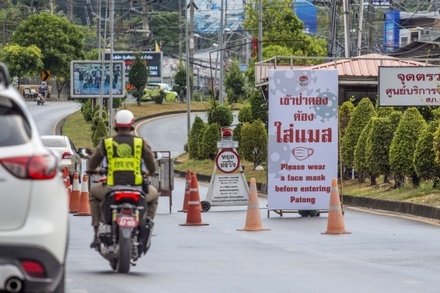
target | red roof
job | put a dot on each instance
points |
(365, 65)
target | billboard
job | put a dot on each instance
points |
(207, 15)
(391, 30)
(86, 77)
(409, 86)
(303, 138)
(153, 60)
(307, 13)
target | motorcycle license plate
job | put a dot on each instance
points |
(127, 221)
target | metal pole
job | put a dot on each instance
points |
(346, 29)
(360, 30)
(100, 57)
(110, 102)
(222, 56)
(188, 82)
(260, 31)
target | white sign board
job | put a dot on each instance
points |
(228, 190)
(409, 86)
(303, 138)
(227, 161)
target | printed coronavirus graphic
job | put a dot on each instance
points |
(280, 153)
(327, 110)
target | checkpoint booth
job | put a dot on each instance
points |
(228, 185)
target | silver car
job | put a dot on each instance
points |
(66, 151)
(34, 213)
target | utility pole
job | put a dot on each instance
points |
(222, 54)
(191, 41)
(346, 29)
(260, 30)
(188, 81)
(180, 30)
(70, 10)
(145, 24)
(360, 28)
(110, 102)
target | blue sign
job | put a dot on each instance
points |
(243, 67)
(307, 13)
(391, 30)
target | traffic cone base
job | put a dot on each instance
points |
(194, 215)
(75, 194)
(335, 223)
(253, 215)
(187, 187)
(84, 206)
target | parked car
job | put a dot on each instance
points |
(153, 89)
(34, 214)
(66, 151)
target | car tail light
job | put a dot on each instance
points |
(66, 155)
(34, 167)
(33, 268)
(127, 195)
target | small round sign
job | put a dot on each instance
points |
(227, 161)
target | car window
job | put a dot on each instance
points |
(14, 130)
(153, 87)
(54, 143)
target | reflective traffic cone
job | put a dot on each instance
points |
(75, 195)
(194, 214)
(335, 222)
(253, 215)
(187, 187)
(67, 183)
(84, 206)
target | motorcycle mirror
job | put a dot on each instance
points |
(85, 152)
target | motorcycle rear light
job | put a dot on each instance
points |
(126, 211)
(66, 155)
(127, 195)
(35, 167)
(33, 268)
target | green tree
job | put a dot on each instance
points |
(424, 156)
(283, 28)
(235, 83)
(138, 76)
(59, 40)
(165, 34)
(100, 132)
(259, 107)
(245, 113)
(22, 61)
(254, 142)
(220, 114)
(403, 146)
(196, 128)
(378, 147)
(180, 80)
(361, 115)
(345, 112)
(359, 156)
(210, 138)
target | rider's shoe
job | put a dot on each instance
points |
(94, 242)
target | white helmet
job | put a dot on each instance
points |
(124, 118)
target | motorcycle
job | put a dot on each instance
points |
(40, 99)
(124, 235)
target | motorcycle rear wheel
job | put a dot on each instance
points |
(124, 255)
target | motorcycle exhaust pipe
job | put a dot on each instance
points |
(13, 285)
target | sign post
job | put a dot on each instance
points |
(229, 187)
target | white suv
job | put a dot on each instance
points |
(34, 214)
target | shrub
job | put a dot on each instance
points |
(254, 142)
(196, 128)
(220, 114)
(360, 160)
(100, 132)
(424, 156)
(209, 141)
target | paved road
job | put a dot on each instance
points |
(383, 253)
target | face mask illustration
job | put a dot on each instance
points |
(302, 153)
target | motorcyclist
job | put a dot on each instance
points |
(125, 154)
(42, 91)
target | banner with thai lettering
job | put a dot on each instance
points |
(303, 138)
(409, 86)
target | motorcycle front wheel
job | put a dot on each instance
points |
(124, 255)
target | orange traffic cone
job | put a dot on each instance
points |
(84, 206)
(253, 216)
(75, 195)
(335, 222)
(67, 182)
(187, 187)
(194, 214)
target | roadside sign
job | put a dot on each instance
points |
(227, 161)
(45, 75)
(224, 144)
